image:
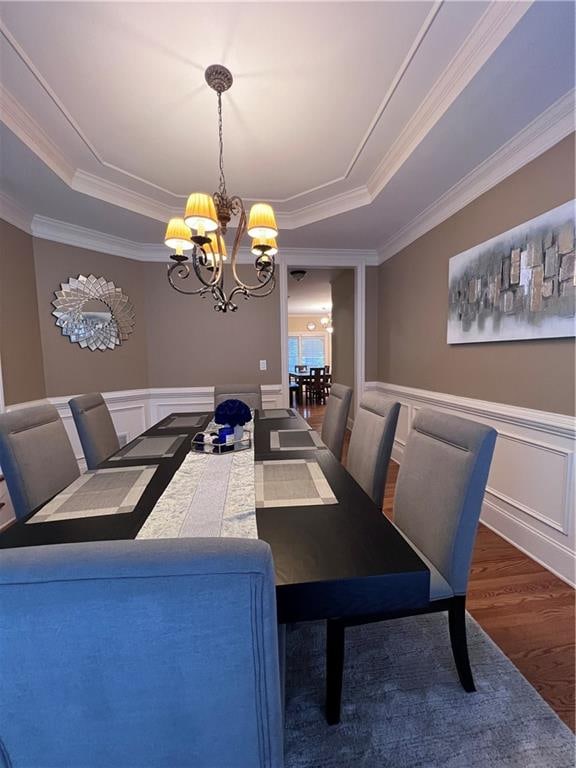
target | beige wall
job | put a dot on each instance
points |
(343, 324)
(413, 301)
(20, 345)
(68, 369)
(192, 345)
(298, 323)
(178, 340)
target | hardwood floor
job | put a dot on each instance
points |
(525, 609)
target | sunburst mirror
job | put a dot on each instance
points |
(93, 312)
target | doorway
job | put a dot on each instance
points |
(321, 308)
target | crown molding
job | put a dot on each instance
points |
(403, 68)
(324, 209)
(488, 33)
(177, 197)
(30, 133)
(14, 213)
(49, 91)
(116, 194)
(541, 134)
(82, 237)
(546, 130)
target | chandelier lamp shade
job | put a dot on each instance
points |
(261, 245)
(178, 236)
(262, 222)
(202, 230)
(201, 213)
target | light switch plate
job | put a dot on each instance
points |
(263, 365)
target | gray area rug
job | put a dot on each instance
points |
(403, 707)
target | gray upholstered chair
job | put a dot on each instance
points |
(36, 456)
(437, 506)
(140, 654)
(371, 443)
(251, 394)
(95, 428)
(336, 418)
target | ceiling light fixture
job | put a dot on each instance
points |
(311, 326)
(204, 225)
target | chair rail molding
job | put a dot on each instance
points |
(529, 498)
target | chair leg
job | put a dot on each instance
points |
(335, 640)
(457, 624)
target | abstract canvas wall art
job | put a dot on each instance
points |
(518, 285)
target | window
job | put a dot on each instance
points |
(306, 349)
(293, 353)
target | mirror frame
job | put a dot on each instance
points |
(75, 294)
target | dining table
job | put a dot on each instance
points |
(302, 380)
(336, 555)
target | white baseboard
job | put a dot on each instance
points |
(529, 498)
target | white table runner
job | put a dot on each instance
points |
(210, 495)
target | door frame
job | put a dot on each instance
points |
(324, 260)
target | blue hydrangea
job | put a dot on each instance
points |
(232, 412)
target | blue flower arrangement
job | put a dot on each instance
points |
(232, 412)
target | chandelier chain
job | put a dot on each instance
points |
(222, 187)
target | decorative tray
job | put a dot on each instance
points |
(205, 442)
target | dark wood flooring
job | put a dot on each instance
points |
(525, 609)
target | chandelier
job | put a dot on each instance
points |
(201, 232)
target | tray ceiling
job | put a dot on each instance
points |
(373, 110)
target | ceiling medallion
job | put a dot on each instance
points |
(204, 226)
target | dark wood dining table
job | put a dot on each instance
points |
(302, 379)
(342, 559)
(332, 560)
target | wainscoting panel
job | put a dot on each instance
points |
(163, 402)
(517, 474)
(529, 498)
